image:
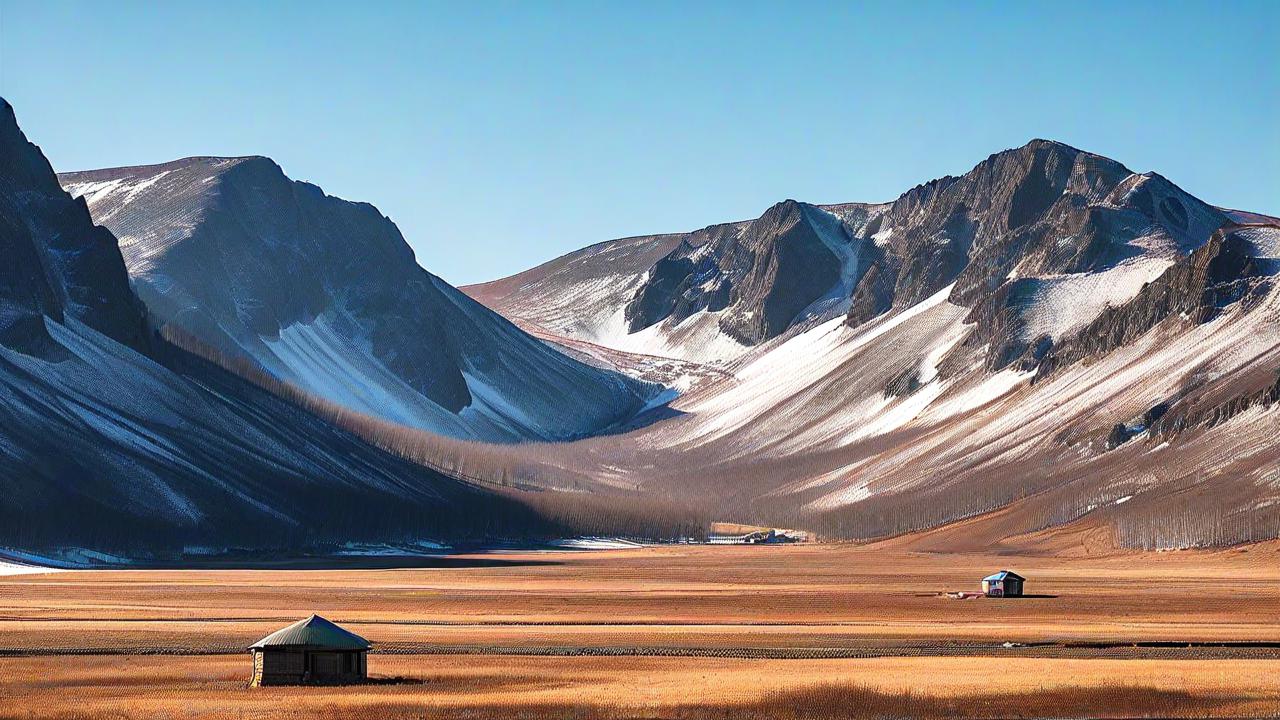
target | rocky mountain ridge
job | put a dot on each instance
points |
(1050, 335)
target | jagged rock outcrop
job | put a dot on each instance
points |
(1221, 412)
(1196, 288)
(762, 274)
(1045, 210)
(57, 263)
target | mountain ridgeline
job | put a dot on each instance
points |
(114, 440)
(57, 263)
(1049, 332)
(1040, 211)
(207, 354)
(326, 294)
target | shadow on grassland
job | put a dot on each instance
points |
(822, 702)
(354, 562)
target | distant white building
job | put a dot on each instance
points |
(759, 537)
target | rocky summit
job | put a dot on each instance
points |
(1051, 334)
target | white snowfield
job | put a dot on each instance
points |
(1061, 305)
(12, 568)
(596, 543)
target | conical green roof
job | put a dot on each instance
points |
(314, 633)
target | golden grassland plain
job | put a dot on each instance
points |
(814, 630)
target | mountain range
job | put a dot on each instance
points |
(1049, 351)
(1048, 341)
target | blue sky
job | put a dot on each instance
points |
(500, 135)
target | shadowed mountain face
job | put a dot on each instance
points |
(56, 262)
(326, 294)
(113, 439)
(761, 275)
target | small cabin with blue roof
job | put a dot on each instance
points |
(1005, 583)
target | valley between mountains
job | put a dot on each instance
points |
(1050, 352)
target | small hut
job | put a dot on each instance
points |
(310, 652)
(1005, 583)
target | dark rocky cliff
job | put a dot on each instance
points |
(764, 273)
(57, 263)
(1044, 209)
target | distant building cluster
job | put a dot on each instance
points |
(771, 536)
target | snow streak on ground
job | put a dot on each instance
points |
(596, 543)
(697, 338)
(794, 382)
(11, 568)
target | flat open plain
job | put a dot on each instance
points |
(820, 630)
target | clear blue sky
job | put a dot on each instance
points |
(501, 135)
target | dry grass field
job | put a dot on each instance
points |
(813, 631)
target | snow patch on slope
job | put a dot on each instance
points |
(1265, 241)
(320, 356)
(783, 371)
(697, 338)
(987, 391)
(317, 356)
(1061, 305)
(1265, 244)
(837, 300)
